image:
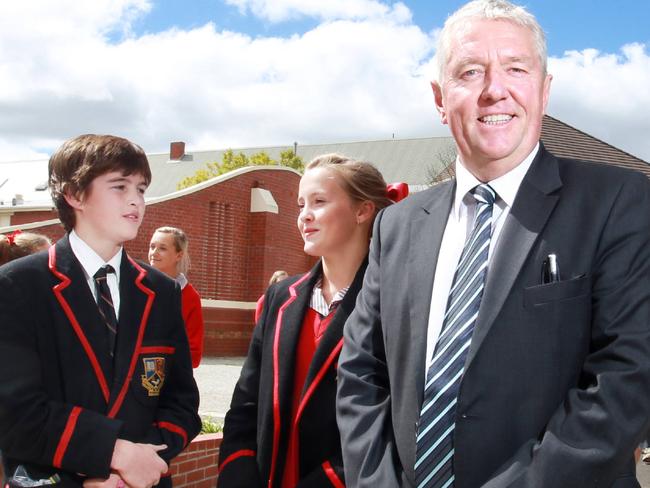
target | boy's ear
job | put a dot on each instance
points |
(74, 200)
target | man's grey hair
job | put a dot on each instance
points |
(490, 10)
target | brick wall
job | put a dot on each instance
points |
(233, 251)
(20, 218)
(196, 466)
(227, 331)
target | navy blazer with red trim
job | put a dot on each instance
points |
(63, 402)
(256, 430)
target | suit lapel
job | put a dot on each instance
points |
(425, 239)
(80, 310)
(535, 201)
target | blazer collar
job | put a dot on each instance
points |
(290, 319)
(533, 205)
(79, 306)
(333, 336)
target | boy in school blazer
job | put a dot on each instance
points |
(81, 404)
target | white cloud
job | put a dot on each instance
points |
(282, 10)
(356, 78)
(605, 95)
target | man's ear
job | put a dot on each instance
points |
(437, 96)
(365, 212)
(74, 200)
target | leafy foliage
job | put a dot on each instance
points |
(210, 426)
(231, 161)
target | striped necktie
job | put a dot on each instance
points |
(105, 304)
(434, 441)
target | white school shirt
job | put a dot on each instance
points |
(457, 230)
(91, 262)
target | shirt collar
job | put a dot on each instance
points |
(90, 260)
(181, 279)
(318, 301)
(506, 186)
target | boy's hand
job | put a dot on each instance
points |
(138, 464)
(113, 481)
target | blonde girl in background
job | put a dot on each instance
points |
(168, 253)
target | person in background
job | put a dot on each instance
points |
(277, 276)
(18, 244)
(280, 431)
(168, 252)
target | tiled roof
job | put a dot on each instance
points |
(568, 142)
(412, 161)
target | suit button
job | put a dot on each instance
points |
(463, 415)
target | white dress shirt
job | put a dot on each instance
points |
(91, 262)
(459, 226)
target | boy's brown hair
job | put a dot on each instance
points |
(74, 166)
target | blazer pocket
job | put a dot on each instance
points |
(150, 374)
(560, 290)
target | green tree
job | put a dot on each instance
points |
(261, 159)
(292, 160)
(231, 161)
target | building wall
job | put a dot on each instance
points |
(19, 218)
(233, 251)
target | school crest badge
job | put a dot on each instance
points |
(154, 375)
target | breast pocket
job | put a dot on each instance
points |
(150, 375)
(538, 295)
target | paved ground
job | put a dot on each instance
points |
(217, 377)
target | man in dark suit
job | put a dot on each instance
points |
(502, 335)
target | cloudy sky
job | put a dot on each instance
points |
(234, 73)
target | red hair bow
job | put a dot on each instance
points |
(11, 237)
(397, 191)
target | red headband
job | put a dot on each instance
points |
(11, 237)
(397, 191)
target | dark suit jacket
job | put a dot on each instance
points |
(62, 402)
(556, 389)
(256, 430)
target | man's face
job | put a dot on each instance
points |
(493, 94)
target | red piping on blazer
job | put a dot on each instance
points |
(58, 289)
(175, 429)
(143, 323)
(331, 474)
(65, 437)
(319, 376)
(276, 378)
(235, 455)
(157, 349)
